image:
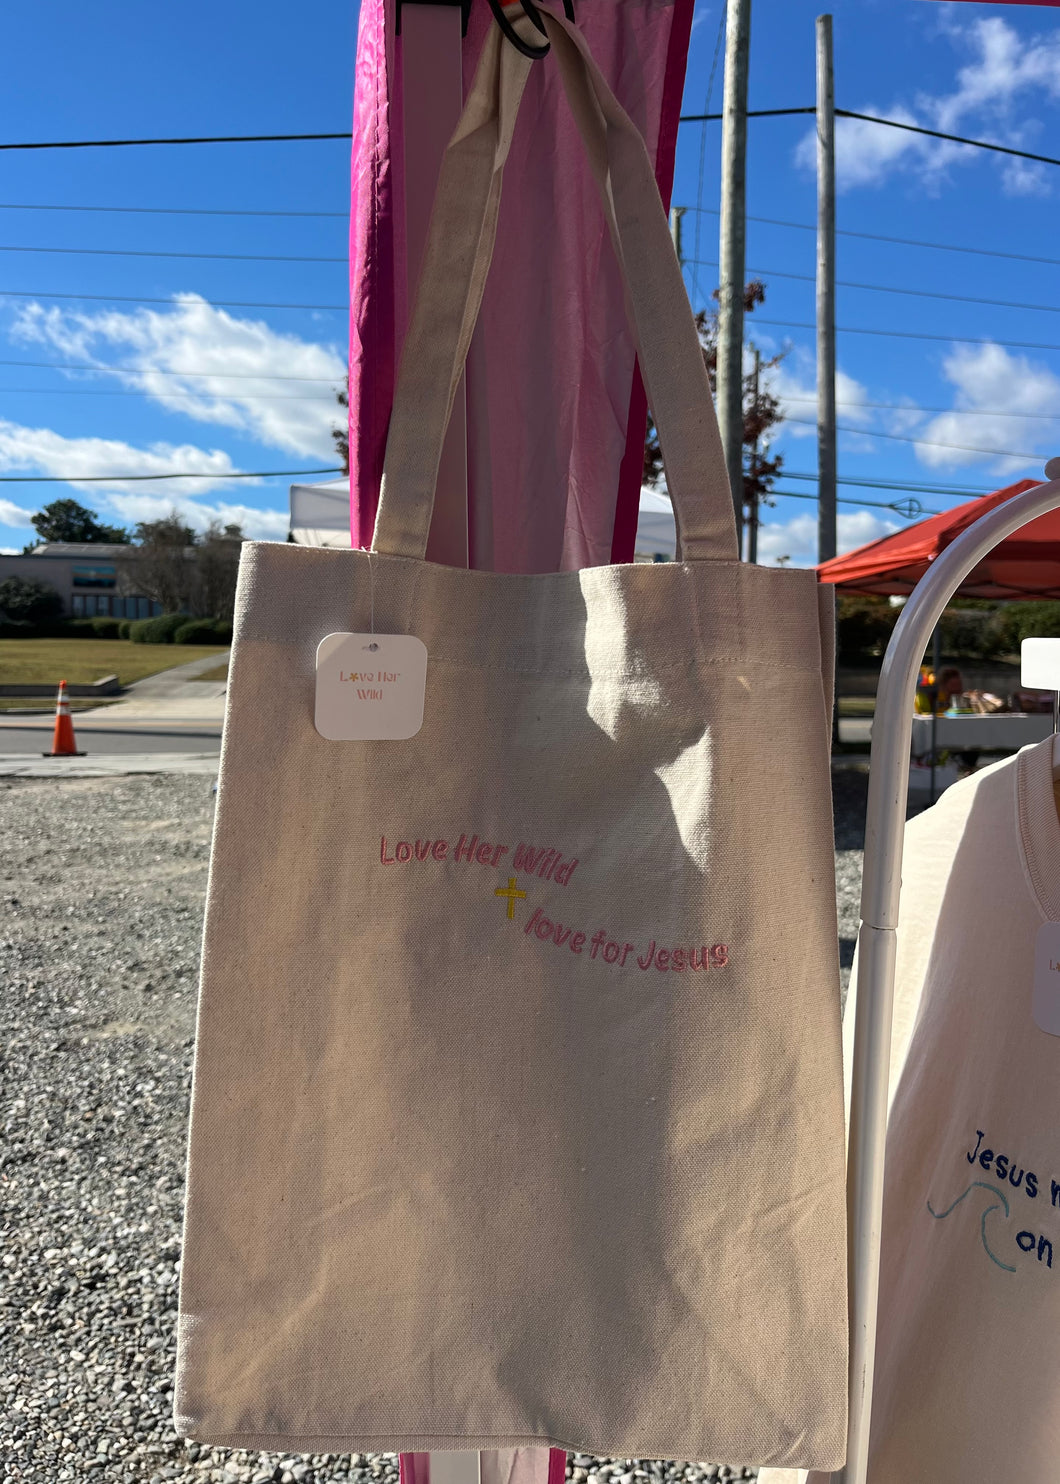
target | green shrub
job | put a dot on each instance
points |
(204, 631)
(76, 628)
(158, 630)
(863, 627)
(24, 600)
(1018, 621)
(970, 631)
(105, 627)
(124, 625)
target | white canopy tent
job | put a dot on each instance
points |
(320, 513)
(320, 516)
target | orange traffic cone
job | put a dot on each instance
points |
(64, 743)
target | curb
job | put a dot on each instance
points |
(108, 765)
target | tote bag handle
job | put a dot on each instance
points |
(453, 275)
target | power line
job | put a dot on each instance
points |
(881, 288)
(130, 252)
(999, 149)
(872, 118)
(690, 118)
(201, 139)
(75, 391)
(703, 142)
(171, 300)
(752, 113)
(142, 478)
(896, 484)
(170, 371)
(273, 304)
(67, 391)
(887, 288)
(910, 509)
(1008, 453)
(1051, 417)
(980, 252)
(164, 210)
(793, 324)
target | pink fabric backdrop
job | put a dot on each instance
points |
(564, 418)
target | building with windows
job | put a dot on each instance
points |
(90, 578)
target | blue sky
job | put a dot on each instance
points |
(128, 70)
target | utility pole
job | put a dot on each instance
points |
(676, 214)
(752, 498)
(826, 434)
(733, 218)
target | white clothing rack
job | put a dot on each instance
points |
(881, 885)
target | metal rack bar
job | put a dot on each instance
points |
(881, 885)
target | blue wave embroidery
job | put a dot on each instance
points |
(981, 1185)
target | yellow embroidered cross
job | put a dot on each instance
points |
(511, 893)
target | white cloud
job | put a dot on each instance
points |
(997, 387)
(905, 419)
(1024, 178)
(46, 452)
(1005, 67)
(794, 383)
(14, 515)
(797, 538)
(157, 348)
(867, 153)
(862, 527)
(258, 525)
(1005, 70)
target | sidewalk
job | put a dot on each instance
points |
(106, 764)
(171, 694)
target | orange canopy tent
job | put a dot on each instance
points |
(1025, 565)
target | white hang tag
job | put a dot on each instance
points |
(1046, 1002)
(370, 687)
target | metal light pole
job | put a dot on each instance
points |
(826, 431)
(733, 208)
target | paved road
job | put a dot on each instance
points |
(26, 734)
(855, 729)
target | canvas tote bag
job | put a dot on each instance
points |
(517, 1108)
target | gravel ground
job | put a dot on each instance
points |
(101, 893)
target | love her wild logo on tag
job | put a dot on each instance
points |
(1045, 1005)
(370, 687)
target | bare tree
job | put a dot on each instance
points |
(217, 566)
(185, 572)
(160, 564)
(341, 436)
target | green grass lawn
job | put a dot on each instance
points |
(32, 661)
(857, 705)
(220, 673)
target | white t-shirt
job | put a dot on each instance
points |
(967, 1385)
